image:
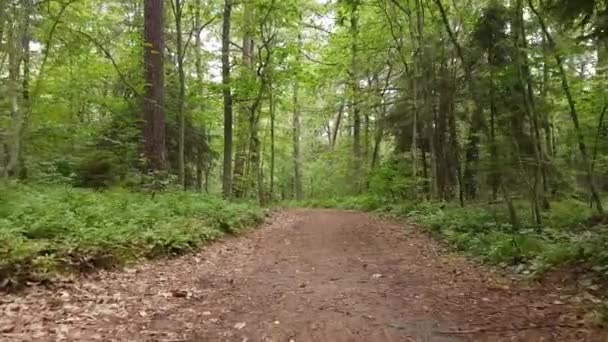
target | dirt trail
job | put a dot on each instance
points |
(307, 275)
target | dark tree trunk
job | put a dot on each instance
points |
(354, 105)
(227, 169)
(178, 6)
(334, 136)
(247, 110)
(154, 116)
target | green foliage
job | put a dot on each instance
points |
(48, 228)
(100, 169)
(390, 180)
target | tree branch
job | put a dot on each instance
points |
(109, 56)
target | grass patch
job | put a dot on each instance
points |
(45, 230)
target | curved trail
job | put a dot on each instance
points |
(307, 275)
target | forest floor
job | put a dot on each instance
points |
(305, 275)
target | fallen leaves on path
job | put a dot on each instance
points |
(305, 276)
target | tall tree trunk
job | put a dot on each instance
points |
(178, 7)
(573, 112)
(354, 102)
(272, 105)
(415, 110)
(15, 55)
(297, 172)
(256, 153)
(27, 106)
(155, 150)
(246, 110)
(455, 150)
(203, 158)
(473, 140)
(227, 93)
(334, 136)
(525, 81)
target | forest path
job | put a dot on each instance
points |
(306, 275)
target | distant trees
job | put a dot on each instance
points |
(452, 101)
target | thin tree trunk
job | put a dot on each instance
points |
(494, 168)
(527, 96)
(26, 107)
(337, 126)
(202, 154)
(354, 103)
(414, 83)
(227, 93)
(15, 50)
(246, 111)
(297, 172)
(378, 125)
(271, 104)
(177, 11)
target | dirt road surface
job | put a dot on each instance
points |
(306, 275)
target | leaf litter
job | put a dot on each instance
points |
(391, 286)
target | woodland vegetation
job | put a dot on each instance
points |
(123, 123)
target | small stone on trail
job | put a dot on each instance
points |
(240, 325)
(6, 328)
(180, 294)
(377, 275)
(207, 313)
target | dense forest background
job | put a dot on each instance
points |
(484, 119)
(468, 101)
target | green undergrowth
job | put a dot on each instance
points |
(568, 235)
(47, 230)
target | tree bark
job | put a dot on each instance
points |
(155, 150)
(473, 139)
(272, 105)
(15, 55)
(297, 176)
(354, 102)
(203, 158)
(334, 137)
(525, 79)
(246, 110)
(178, 7)
(227, 93)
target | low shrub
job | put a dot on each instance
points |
(45, 229)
